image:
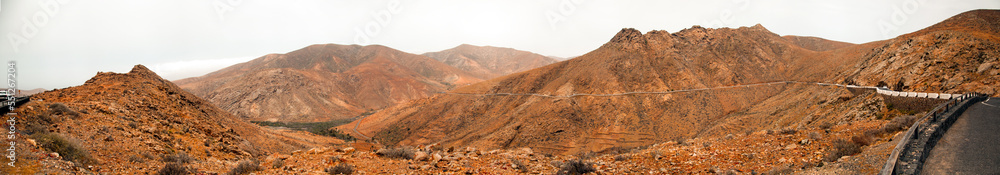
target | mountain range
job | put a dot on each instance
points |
(330, 81)
(955, 59)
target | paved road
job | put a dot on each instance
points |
(358, 123)
(971, 145)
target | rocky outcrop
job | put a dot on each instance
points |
(628, 35)
(121, 119)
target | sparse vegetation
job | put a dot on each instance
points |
(815, 135)
(148, 156)
(785, 169)
(180, 157)
(136, 159)
(556, 163)
(318, 128)
(68, 150)
(863, 139)
(616, 150)
(586, 155)
(396, 153)
(335, 158)
(787, 131)
(574, 167)
(826, 126)
(391, 134)
(173, 169)
(898, 124)
(342, 168)
(245, 167)
(908, 110)
(841, 148)
(680, 140)
(656, 154)
(336, 133)
(278, 163)
(62, 109)
(622, 157)
(519, 165)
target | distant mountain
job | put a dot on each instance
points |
(815, 43)
(561, 58)
(323, 82)
(943, 58)
(490, 62)
(117, 121)
(24, 93)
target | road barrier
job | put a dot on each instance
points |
(919, 140)
(885, 91)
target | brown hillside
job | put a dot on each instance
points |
(490, 62)
(127, 122)
(689, 59)
(324, 82)
(815, 43)
(981, 23)
(958, 55)
(25, 93)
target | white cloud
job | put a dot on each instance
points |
(192, 68)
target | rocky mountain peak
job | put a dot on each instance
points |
(142, 71)
(139, 73)
(627, 35)
(139, 69)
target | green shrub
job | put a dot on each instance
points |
(62, 109)
(787, 131)
(278, 163)
(576, 167)
(136, 159)
(335, 133)
(898, 124)
(173, 169)
(784, 169)
(519, 165)
(826, 126)
(622, 157)
(245, 167)
(396, 153)
(863, 139)
(342, 168)
(842, 148)
(318, 128)
(68, 150)
(178, 158)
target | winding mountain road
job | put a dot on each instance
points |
(971, 145)
(356, 124)
(658, 92)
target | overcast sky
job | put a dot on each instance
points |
(57, 44)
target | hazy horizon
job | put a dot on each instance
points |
(58, 44)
